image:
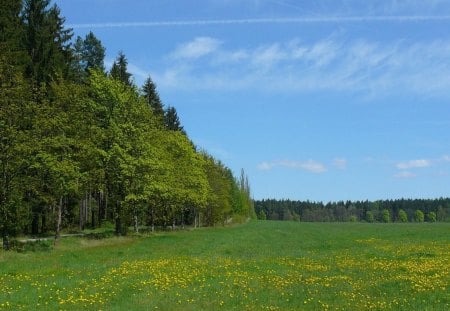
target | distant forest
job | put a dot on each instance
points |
(401, 210)
(82, 146)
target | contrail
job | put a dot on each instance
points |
(296, 20)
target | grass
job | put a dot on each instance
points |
(263, 265)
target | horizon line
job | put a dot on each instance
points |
(326, 19)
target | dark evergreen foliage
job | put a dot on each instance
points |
(46, 42)
(119, 70)
(172, 121)
(381, 211)
(89, 54)
(153, 100)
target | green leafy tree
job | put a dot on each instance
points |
(419, 216)
(369, 216)
(431, 217)
(402, 216)
(385, 216)
(262, 215)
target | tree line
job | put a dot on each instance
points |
(401, 210)
(81, 145)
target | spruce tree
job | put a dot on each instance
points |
(89, 53)
(153, 100)
(119, 70)
(46, 41)
(172, 121)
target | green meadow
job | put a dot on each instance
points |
(262, 265)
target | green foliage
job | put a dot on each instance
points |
(419, 216)
(153, 100)
(89, 54)
(402, 216)
(262, 215)
(46, 42)
(385, 216)
(119, 70)
(341, 211)
(369, 216)
(431, 217)
(80, 148)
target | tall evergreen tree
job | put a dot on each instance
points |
(172, 121)
(46, 41)
(89, 53)
(12, 56)
(153, 100)
(119, 70)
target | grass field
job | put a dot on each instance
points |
(257, 266)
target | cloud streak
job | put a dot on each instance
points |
(310, 165)
(296, 20)
(330, 64)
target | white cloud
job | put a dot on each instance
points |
(364, 67)
(340, 163)
(405, 175)
(309, 165)
(446, 158)
(268, 56)
(196, 48)
(413, 164)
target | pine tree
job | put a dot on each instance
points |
(119, 70)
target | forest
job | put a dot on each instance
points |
(400, 210)
(82, 146)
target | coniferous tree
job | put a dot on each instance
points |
(46, 41)
(153, 100)
(172, 121)
(89, 54)
(119, 70)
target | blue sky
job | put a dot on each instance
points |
(317, 100)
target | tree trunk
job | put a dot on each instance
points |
(153, 219)
(59, 219)
(136, 222)
(5, 242)
(35, 221)
(81, 215)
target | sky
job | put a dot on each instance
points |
(316, 100)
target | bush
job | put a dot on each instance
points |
(418, 216)
(353, 218)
